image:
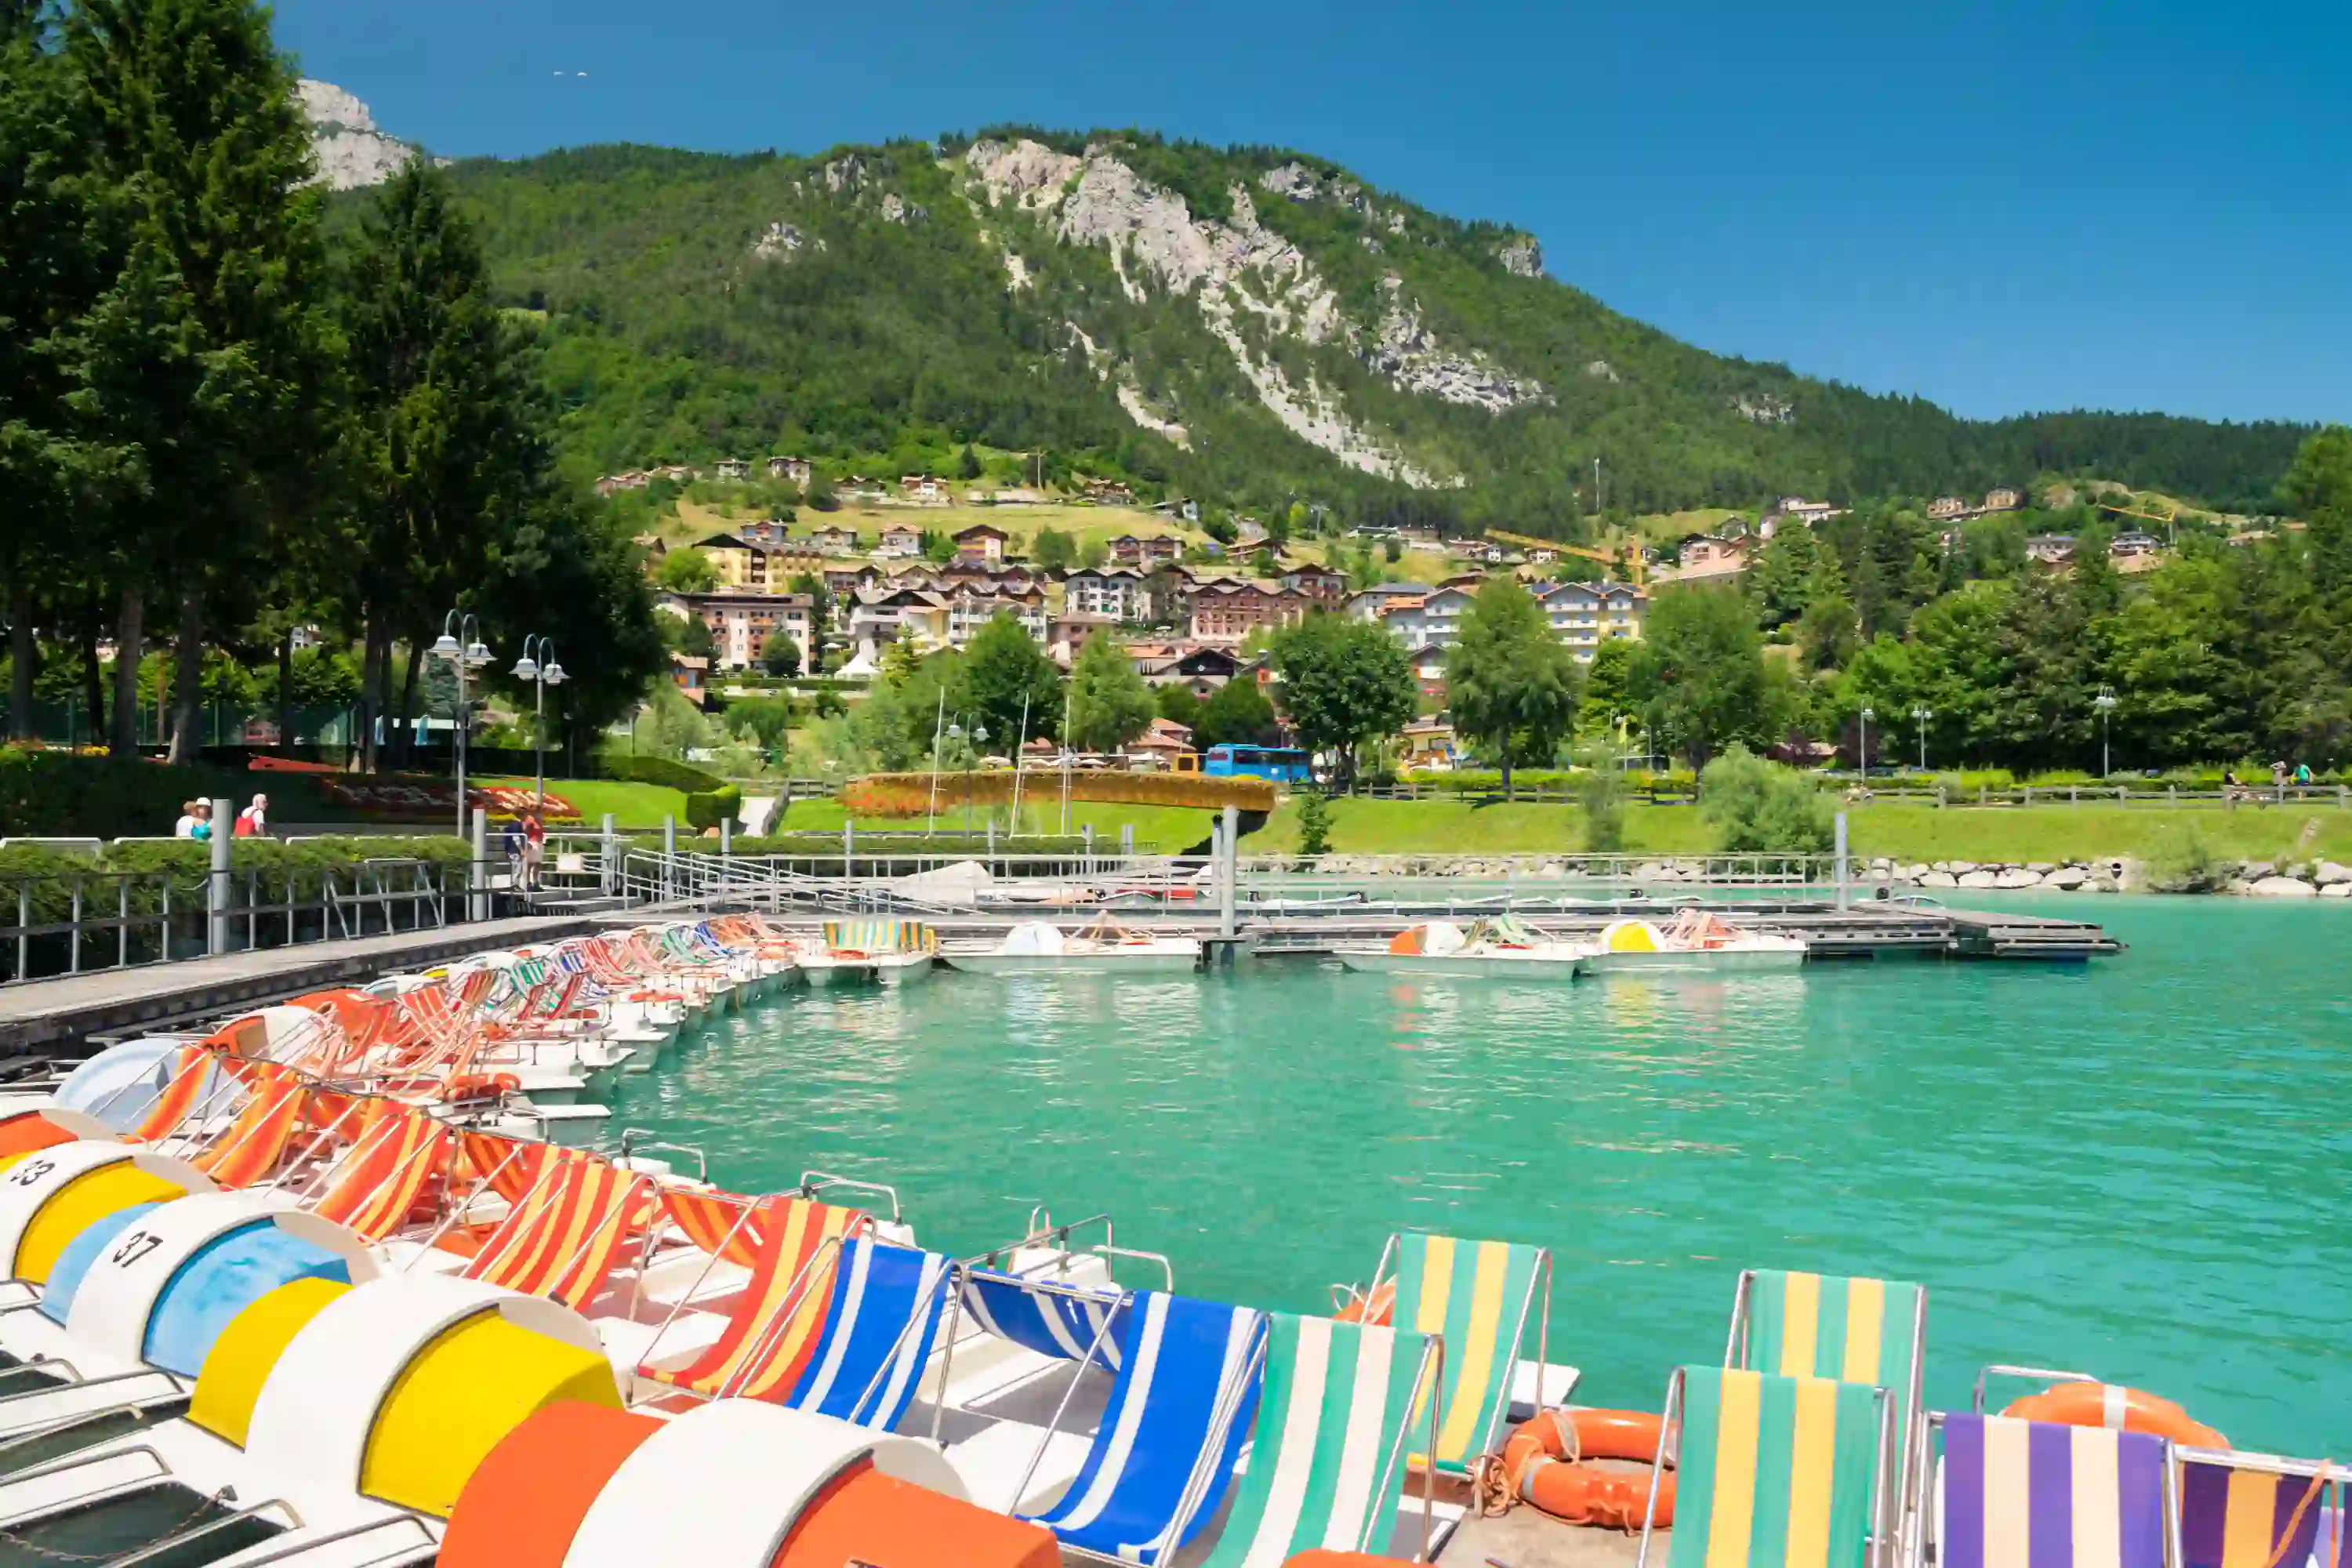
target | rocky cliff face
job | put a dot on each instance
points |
(350, 151)
(1255, 290)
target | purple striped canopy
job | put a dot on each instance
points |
(2034, 1494)
(2238, 1518)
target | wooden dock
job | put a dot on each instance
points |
(60, 1015)
(1865, 930)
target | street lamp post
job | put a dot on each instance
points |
(971, 760)
(1862, 752)
(1922, 714)
(542, 672)
(461, 648)
(2105, 703)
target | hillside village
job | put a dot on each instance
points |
(841, 588)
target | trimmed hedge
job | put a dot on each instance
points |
(57, 794)
(1487, 780)
(708, 808)
(660, 771)
(911, 795)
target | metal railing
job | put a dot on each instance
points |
(75, 922)
(1263, 885)
(2145, 792)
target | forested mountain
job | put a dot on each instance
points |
(1247, 324)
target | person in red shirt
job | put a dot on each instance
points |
(253, 822)
(534, 848)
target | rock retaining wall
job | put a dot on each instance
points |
(2251, 878)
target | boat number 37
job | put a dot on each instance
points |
(133, 1247)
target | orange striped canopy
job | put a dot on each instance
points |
(252, 1144)
(510, 1165)
(376, 1184)
(190, 1071)
(29, 1132)
(722, 1224)
(780, 1314)
(562, 1240)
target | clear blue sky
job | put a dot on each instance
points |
(2004, 206)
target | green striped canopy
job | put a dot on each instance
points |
(1853, 1330)
(1478, 1295)
(871, 935)
(1773, 1472)
(1325, 1467)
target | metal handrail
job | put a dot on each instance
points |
(1047, 1232)
(80, 1382)
(239, 900)
(815, 1181)
(66, 1423)
(2035, 1374)
(1167, 1268)
(291, 1549)
(630, 1143)
(181, 1538)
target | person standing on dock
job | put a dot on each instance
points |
(253, 822)
(186, 827)
(534, 848)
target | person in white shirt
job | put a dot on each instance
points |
(186, 827)
(253, 822)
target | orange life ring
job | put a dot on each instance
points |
(2113, 1405)
(477, 1085)
(1540, 1465)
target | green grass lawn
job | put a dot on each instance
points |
(1168, 830)
(632, 804)
(2079, 832)
(1456, 827)
(1905, 831)
(1171, 829)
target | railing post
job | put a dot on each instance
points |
(726, 853)
(609, 868)
(1845, 893)
(1126, 841)
(216, 884)
(849, 850)
(1228, 867)
(670, 857)
(478, 873)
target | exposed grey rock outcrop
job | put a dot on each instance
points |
(351, 153)
(1248, 282)
(1765, 408)
(779, 241)
(1522, 257)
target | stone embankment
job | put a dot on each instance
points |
(2251, 878)
(2248, 879)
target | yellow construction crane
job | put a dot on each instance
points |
(1629, 557)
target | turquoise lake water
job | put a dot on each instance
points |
(2140, 1168)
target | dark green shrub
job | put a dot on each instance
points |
(706, 809)
(660, 771)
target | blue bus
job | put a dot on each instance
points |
(1283, 764)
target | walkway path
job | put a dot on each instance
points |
(57, 1016)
